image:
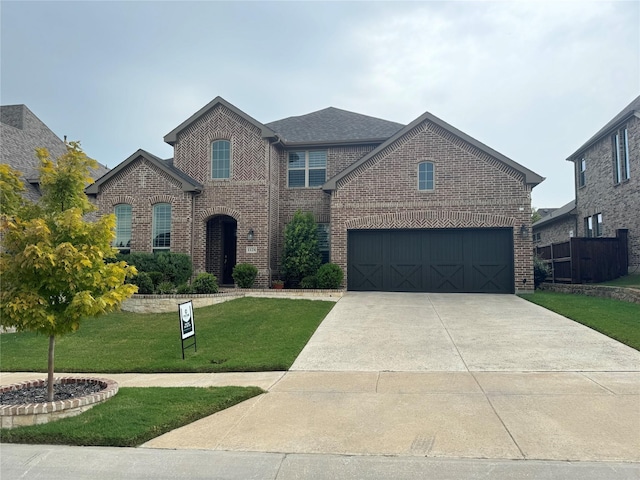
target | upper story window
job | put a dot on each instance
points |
(582, 169)
(620, 147)
(122, 241)
(425, 176)
(220, 159)
(307, 168)
(161, 227)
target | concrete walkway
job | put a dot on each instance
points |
(424, 375)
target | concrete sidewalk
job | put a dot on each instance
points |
(104, 463)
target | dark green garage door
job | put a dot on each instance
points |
(447, 260)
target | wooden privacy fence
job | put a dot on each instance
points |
(587, 260)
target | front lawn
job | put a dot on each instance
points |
(245, 334)
(133, 416)
(616, 319)
(632, 280)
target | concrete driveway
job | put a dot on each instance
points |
(457, 376)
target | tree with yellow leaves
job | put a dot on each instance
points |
(53, 261)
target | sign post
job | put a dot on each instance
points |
(187, 325)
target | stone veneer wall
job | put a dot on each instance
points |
(617, 293)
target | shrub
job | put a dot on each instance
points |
(156, 277)
(205, 283)
(144, 283)
(166, 288)
(329, 276)
(244, 274)
(309, 281)
(184, 289)
(174, 267)
(540, 271)
(301, 256)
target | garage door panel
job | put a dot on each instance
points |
(446, 260)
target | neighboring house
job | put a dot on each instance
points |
(556, 225)
(607, 181)
(21, 132)
(418, 207)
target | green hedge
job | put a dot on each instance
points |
(174, 267)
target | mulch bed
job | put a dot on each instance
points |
(38, 394)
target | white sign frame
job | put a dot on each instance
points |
(187, 322)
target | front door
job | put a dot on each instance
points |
(228, 251)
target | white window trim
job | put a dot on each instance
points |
(626, 154)
(306, 168)
(221, 179)
(433, 165)
(582, 172)
(617, 158)
(153, 227)
(119, 226)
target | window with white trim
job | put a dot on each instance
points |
(582, 175)
(122, 241)
(426, 176)
(221, 159)
(323, 241)
(588, 227)
(161, 227)
(307, 168)
(620, 147)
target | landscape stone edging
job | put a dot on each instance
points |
(36, 413)
(617, 293)
(143, 303)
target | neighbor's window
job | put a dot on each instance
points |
(620, 146)
(588, 227)
(323, 241)
(122, 241)
(425, 176)
(582, 179)
(597, 225)
(307, 168)
(161, 227)
(220, 159)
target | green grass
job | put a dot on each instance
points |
(246, 334)
(616, 319)
(133, 416)
(632, 280)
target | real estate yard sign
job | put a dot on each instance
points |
(187, 325)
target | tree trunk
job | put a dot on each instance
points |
(52, 346)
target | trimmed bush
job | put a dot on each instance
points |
(540, 271)
(174, 267)
(156, 278)
(205, 283)
(165, 288)
(308, 282)
(244, 274)
(184, 289)
(329, 276)
(144, 283)
(301, 255)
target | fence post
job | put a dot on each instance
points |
(623, 251)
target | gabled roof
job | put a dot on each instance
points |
(530, 176)
(188, 184)
(172, 136)
(333, 126)
(557, 214)
(633, 109)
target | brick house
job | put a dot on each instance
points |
(21, 132)
(556, 225)
(607, 186)
(418, 207)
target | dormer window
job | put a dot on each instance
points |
(220, 159)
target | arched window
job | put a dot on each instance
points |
(161, 227)
(425, 176)
(123, 227)
(220, 159)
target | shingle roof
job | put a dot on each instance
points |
(333, 125)
(557, 214)
(21, 132)
(632, 109)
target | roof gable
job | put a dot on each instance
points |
(633, 109)
(530, 176)
(172, 136)
(188, 184)
(333, 125)
(565, 211)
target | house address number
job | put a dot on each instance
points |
(252, 249)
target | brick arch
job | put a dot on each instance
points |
(213, 211)
(122, 199)
(162, 199)
(431, 219)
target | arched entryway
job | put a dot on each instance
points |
(221, 247)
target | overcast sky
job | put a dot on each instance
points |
(533, 80)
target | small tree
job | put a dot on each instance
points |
(301, 256)
(53, 265)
